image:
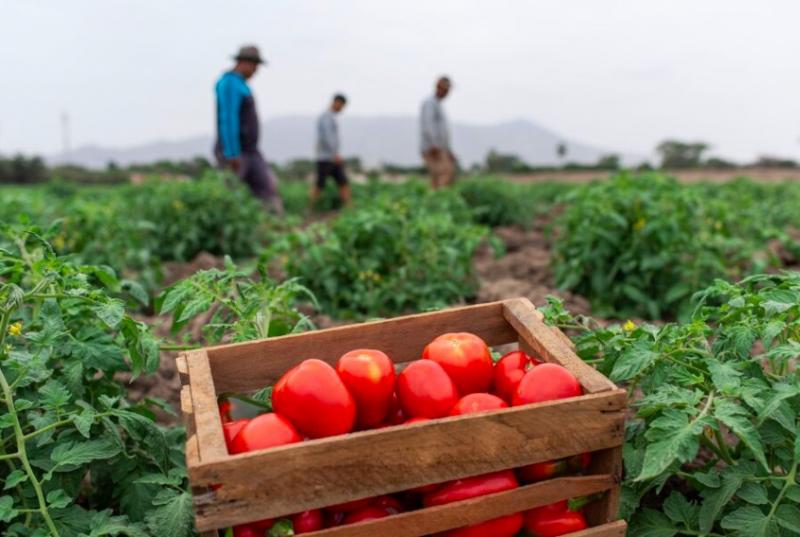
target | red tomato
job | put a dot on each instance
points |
(315, 400)
(368, 513)
(546, 382)
(390, 503)
(580, 462)
(369, 377)
(265, 431)
(225, 408)
(470, 487)
(334, 518)
(542, 470)
(354, 505)
(465, 357)
(425, 390)
(553, 520)
(230, 430)
(416, 420)
(307, 521)
(508, 371)
(504, 526)
(396, 416)
(247, 530)
(263, 525)
(477, 402)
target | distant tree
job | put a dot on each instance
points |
(719, 164)
(354, 164)
(765, 161)
(608, 162)
(497, 162)
(645, 167)
(676, 154)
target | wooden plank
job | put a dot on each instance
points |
(612, 529)
(537, 336)
(183, 368)
(208, 424)
(346, 468)
(607, 461)
(474, 510)
(252, 365)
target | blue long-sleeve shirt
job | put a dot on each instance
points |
(237, 121)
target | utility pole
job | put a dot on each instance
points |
(65, 135)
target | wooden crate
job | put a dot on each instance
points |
(317, 473)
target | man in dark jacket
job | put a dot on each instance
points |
(237, 130)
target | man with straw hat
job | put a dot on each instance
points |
(236, 147)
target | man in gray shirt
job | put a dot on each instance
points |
(435, 137)
(329, 162)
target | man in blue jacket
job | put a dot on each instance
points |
(237, 130)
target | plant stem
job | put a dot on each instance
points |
(790, 478)
(23, 455)
(723, 446)
(22, 452)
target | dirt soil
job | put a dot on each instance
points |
(524, 271)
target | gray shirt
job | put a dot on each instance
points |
(327, 136)
(433, 125)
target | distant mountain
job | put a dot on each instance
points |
(389, 139)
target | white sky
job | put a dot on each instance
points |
(617, 74)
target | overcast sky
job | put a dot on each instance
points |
(616, 74)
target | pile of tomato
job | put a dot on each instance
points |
(456, 375)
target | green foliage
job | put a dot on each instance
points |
(244, 307)
(77, 457)
(640, 246)
(496, 202)
(392, 254)
(714, 442)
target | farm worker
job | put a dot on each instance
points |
(237, 130)
(329, 161)
(435, 137)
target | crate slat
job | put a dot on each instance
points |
(612, 529)
(524, 317)
(346, 467)
(208, 424)
(474, 510)
(402, 339)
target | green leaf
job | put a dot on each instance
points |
(54, 394)
(137, 291)
(174, 514)
(58, 499)
(737, 418)
(788, 517)
(652, 524)
(754, 493)
(793, 493)
(678, 441)
(632, 362)
(103, 523)
(160, 479)
(750, 521)
(678, 509)
(111, 312)
(7, 511)
(83, 421)
(76, 454)
(715, 500)
(724, 376)
(282, 528)
(14, 478)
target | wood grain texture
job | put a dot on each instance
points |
(207, 421)
(612, 529)
(345, 467)
(252, 365)
(474, 510)
(607, 461)
(182, 368)
(539, 337)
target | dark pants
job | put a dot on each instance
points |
(256, 174)
(328, 168)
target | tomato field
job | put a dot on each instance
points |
(686, 295)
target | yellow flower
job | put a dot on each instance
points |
(629, 326)
(639, 224)
(15, 329)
